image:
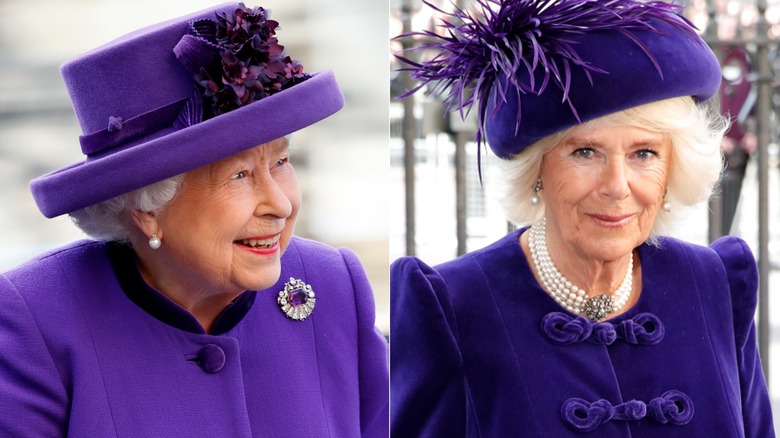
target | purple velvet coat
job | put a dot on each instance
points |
(480, 349)
(81, 359)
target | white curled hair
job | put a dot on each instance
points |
(111, 220)
(695, 132)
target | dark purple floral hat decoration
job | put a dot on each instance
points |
(178, 95)
(237, 59)
(537, 67)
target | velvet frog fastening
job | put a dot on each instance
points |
(642, 329)
(673, 407)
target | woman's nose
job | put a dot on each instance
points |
(614, 184)
(272, 199)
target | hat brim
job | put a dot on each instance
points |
(173, 152)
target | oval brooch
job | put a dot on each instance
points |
(296, 300)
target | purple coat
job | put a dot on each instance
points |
(79, 358)
(480, 349)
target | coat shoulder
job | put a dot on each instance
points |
(57, 267)
(43, 264)
(492, 256)
(680, 253)
(317, 252)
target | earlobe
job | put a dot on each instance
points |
(147, 222)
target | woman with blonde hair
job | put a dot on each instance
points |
(589, 320)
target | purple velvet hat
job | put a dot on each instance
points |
(537, 67)
(178, 95)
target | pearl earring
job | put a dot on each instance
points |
(154, 242)
(535, 199)
(666, 206)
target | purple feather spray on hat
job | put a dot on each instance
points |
(536, 67)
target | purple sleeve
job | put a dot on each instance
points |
(743, 283)
(33, 400)
(372, 356)
(428, 390)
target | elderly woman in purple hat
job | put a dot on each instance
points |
(194, 311)
(589, 321)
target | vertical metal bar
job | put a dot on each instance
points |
(715, 203)
(460, 181)
(409, 133)
(712, 19)
(762, 116)
(460, 189)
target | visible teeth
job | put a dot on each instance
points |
(265, 243)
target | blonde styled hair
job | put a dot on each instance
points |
(695, 132)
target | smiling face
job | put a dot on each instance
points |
(603, 187)
(231, 220)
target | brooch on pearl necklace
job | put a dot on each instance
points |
(296, 299)
(567, 294)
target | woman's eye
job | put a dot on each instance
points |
(645, 154)
(282, 161)
(240, 175)
(584, 153)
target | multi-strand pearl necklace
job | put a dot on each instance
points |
(566, 293)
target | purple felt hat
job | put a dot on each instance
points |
(537, 67)
(178, 95)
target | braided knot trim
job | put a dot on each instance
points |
(673, 407)
(564, 329)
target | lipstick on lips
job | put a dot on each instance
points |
(611, 221)
(262, 245)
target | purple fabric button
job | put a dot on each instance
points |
(211, 358)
